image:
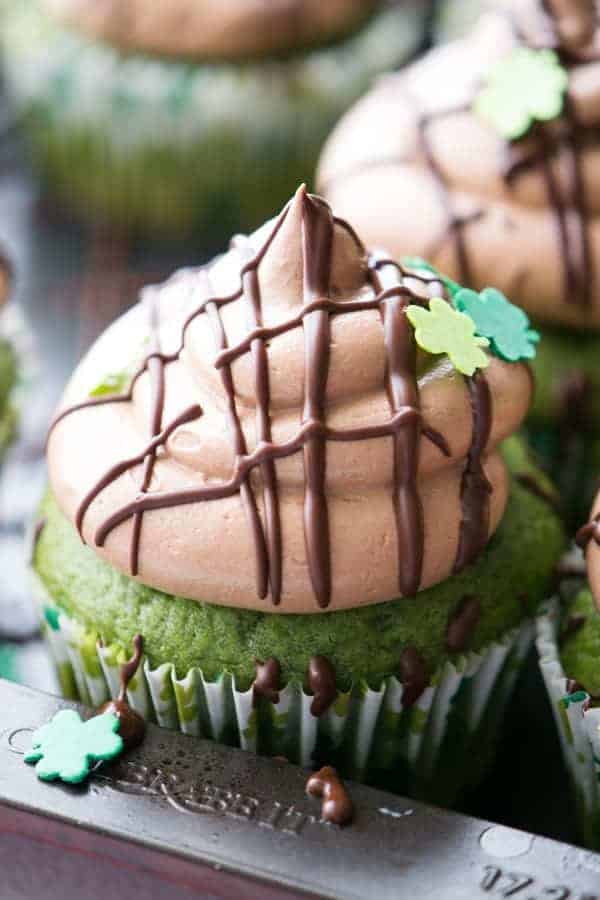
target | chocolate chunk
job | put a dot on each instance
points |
(462, 624)
(337, 806)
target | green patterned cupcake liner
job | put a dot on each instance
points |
(577, 723)
(170, 147)
(426, 750)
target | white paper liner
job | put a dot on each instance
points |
(367, 732)
(578, 726)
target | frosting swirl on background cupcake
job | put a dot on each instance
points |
(484, 157)
(265, 432)
(212, 29)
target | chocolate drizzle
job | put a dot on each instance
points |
(413, 675)
(462, 624)
(532, 484)
(475, 488)
(337, 806)
(266, 683)
(589, 532)
(390, 296)
(571, 626)
(131, 725)
(322, 683)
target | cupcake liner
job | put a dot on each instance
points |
(422, 750)
(578, 725)
(165, 146)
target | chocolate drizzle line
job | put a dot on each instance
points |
(131, 724)
(322, 682)
(266, 683)
(532, 484)
(337, 806)
(589, 532)
(413, 675)
(475, 488)
(405, 425)
(462, 624)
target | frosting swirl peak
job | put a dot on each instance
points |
(284, 445)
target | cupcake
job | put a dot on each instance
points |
(326, 533)
(490, 142)
(170, 117)
(568, 640)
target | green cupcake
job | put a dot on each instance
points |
(329, 556)
(180, 129)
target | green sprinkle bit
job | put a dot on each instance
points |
(443, 329)
(525, 87)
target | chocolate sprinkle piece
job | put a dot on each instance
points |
(322, 683)
(131, 725)
(413, 675)
(462, 624)
(337, 806)
(266, 683)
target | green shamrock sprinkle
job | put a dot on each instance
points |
(577, 697)
(416, 263)
(66, 747)
(115, 383)
(51, 615)
(504, 324)
(442, 329)
(526, 86)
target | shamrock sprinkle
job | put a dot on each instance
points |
(504, 324)
(442, 329)
(66, 747)
(524, 87)
(416, 263)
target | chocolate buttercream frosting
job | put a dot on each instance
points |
(284, 445)
(522, 214)
(212, 29)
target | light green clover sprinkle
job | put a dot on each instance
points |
(442, 329)
(524, 87)
(114, 383)
(65, 748)
(505, 325)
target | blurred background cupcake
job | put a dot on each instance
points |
(165, 117)
(491, 143)
(568, 642)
